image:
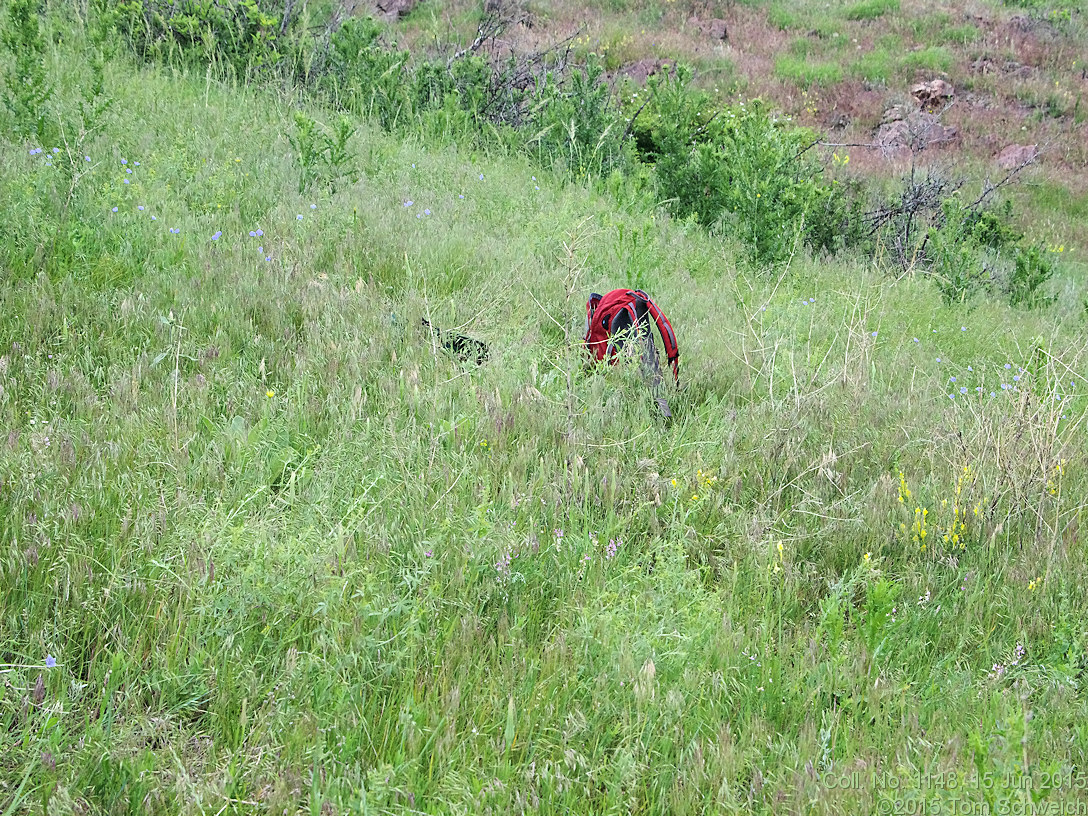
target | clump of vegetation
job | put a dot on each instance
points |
(870, 9)
(737, 168)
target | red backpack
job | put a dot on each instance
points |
(601, 311)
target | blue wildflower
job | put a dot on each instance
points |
(50, 661)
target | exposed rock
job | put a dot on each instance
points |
(895, 113)
(1021, 22)
(715, 29)
(639, 71)
(395, 9)
(837, 121)
(918, 130)
(933, 94)
(1015, 155)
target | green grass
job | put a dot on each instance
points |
(929, 58)
(870, 9)
(290, 557)
(804, 73)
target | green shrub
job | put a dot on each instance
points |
(367, 77)
(740, 168)
(323, 155)
(579, 126)
(956, 265)
(244, 35)
(27, 91)
(1032, 268)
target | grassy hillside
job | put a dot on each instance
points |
(1019, 69)
(266, 548)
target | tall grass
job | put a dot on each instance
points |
(267, 549)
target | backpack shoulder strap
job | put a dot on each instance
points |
(591, 308)
(668, 337)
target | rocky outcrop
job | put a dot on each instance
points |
(913, 131)
(644, 68)
(713, 29)
(1016, 155)
(395, 9)
(933, 94)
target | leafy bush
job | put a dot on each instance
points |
(1031, 271)
(956, 267)
(26, 88)
(242, 34)
(323, 156)
(367, 77)
(579, 126)
(738, 167)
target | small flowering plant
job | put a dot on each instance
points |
(955, 522)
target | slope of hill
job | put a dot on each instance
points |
(1018, 72)
(268, 548)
